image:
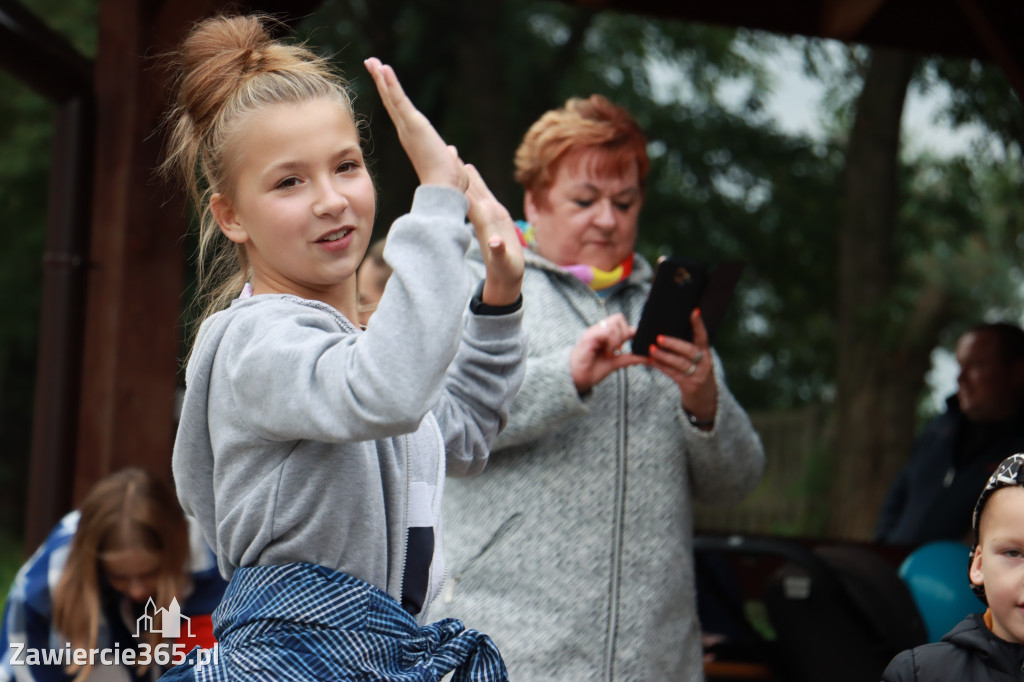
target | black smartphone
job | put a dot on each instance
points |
(677, 289)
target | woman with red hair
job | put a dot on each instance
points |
(573, 548)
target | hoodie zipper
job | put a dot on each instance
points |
(617, 526)
(404, 544)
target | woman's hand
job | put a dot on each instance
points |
(691, 366)
(598, 352)
(435, 163)
(499, 242)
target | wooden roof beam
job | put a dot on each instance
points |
(996, 22)
(40, 57)
(845, 19)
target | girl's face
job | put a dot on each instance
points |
(588, 218)
(132, 572)
(999, 561)
(303, 201)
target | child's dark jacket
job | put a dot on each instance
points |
(967, 653)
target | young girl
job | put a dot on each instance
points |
(93, 578)
(311, 452)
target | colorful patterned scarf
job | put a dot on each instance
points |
(595, 278)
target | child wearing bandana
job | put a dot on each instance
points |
(989, 645)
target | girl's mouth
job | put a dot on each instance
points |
(335, 236)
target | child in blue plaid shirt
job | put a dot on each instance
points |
(88, 584)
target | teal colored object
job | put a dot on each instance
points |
(936, 574)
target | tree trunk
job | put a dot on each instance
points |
(880, 365)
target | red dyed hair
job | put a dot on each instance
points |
(593, 123)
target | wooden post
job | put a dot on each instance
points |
(136, 274)
(136, 268)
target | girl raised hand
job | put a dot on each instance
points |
(435, 163)
(499, 242)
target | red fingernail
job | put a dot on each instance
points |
(653, 349)
(698, 311)
(660, 339)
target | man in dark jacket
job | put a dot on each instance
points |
(932, 497)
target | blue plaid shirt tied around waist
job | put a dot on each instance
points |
(306, 622)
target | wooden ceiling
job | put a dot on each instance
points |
(972, 29)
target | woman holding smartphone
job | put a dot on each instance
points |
(573, 548)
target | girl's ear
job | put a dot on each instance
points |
(976, 574)
(226, 217)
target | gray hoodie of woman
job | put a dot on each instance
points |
(573, 549)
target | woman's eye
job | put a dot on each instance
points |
(624, 207)
(346, 166)
(583, 203)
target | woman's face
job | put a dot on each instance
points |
(588, 217)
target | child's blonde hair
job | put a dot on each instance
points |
(129, 509)
(226, 68)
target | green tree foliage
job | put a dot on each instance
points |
(965, 214)
(24, 141)
(957, 244)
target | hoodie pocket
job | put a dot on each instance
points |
(508, 527)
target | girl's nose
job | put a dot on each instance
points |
(330, 200)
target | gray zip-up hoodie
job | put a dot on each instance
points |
(573, 549)
(303, 439)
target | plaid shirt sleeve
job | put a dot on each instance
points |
(27, 616)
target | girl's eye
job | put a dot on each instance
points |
(1013, 553)
(287, 182)
(347, 166)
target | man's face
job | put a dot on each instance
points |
(986, 385)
